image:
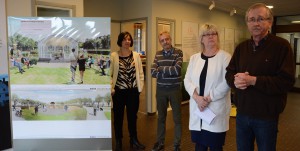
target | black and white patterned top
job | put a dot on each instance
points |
(126, 76)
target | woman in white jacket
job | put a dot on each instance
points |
(205, 82)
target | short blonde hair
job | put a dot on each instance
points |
(205, 29)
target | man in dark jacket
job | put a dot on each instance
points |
(261, 72)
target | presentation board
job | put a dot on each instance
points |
(60, 86)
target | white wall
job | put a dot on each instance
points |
(136, 9)
(23, 8)
(103, 8)
(26, 8)
(186, 11)
(115, 30)
(3, 39)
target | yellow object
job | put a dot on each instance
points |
(233, 111)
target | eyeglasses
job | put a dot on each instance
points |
(209, 34)
(258, 20)
(164, 40)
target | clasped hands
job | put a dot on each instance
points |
(243, 80)
(202, 102)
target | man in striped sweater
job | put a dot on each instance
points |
(166, 68)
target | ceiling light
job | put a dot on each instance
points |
(212, 5)
(232, 12)
(270, 6)
(296, 22)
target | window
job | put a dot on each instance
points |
(46, 9)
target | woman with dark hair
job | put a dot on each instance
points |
(126, 85)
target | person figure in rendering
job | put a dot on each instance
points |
(66, 107)
(14, 107)
(127, 83)
(25, 61)
(95, 109)
(81, 62)
(166, 68)
(17, 64)
(261, 72)
(90, 61)
(205, 83)
(44, 108)
(102, 66)
(73, 65)
(36, 109)
(107, 62)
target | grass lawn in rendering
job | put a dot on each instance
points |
(52, 75)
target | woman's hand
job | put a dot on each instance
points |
(201, 101)
(112, 92)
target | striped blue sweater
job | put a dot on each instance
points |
(167, 68)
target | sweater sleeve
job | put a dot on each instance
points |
(232, 67)
(174, 70)
(284, 78)
(154, 68)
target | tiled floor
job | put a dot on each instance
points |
(288, 135)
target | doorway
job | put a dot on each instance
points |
(164, 24)
(291, 32)
(138, 30)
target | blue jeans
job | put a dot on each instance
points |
(249, 129)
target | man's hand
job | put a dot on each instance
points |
(243, 80)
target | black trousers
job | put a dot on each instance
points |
(128, 98)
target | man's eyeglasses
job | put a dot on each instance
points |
(209, 34)
(258, 20)
(164, 40)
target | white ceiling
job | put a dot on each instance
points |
(281, 7)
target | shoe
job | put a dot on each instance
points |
(134, 143)
(118, 145)
(177, 148)
(158, 146)
(80, 82)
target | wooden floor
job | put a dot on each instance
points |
(288, 135)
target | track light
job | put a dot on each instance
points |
(232, 12)
(296, 22)
(212, 5)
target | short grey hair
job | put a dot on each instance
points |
(164, 32)
(259, 5)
